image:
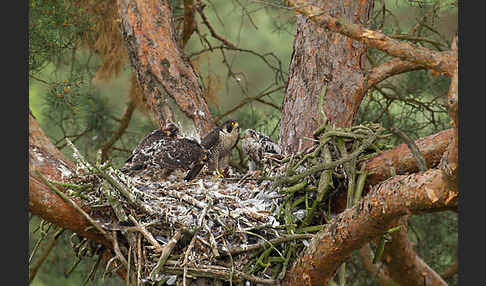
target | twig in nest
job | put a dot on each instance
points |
(165, 254)
(232, 263)
(68, 200)
(220, 273)
(146, 234)
(191, 244)
(116, 248)
(275, 241)
(186, 257)
(128, 268)
(139, 257)
(361, 182)
(295, 178)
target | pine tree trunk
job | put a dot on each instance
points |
(323, 58)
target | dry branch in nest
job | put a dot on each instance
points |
(243, 229)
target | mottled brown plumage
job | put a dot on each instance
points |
(255, 145)
(163, 149)
(219, 143)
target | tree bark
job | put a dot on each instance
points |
(404, 265)
(371, 217)
(378, 270)
(442, 62)
(160, 64)
(402, 160)
(45, 158)
(323, 58)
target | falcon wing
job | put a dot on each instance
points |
(211, 139)
(146, 142)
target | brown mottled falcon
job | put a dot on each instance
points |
(219, 142)
(165, 151)
(255, 145)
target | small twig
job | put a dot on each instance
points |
(275, 241)
(422, 164)
(129, 264)
(75, 264)
(246, 101)
(116, 248)
(294, 188)
(322, 189)
(186, 257)
(146, 234)
(68, 200)
(361, 183)
(42, 258)
(124, 122)
(139, 255)
(166, 251)
(211, 29)
(92, 271)
(292, 179)
(232, 263)
(220, 273)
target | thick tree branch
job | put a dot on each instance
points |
(393, 67)
(378, 270)
(404, 265)
(160, 65)
(443, 62)
(451, 271)
(402, 160)
(450, 160)
(189, 22)
(43, 202)
(369, 218)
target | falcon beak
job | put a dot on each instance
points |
(235, 124)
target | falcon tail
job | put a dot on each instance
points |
(193, 172)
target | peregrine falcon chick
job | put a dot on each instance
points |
(255, 145)
(164, 150)
(219, 143)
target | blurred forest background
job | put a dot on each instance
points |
(81, 88)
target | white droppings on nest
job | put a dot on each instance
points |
(38, 154)
(65, 172)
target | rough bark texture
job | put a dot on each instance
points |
(404, 265)
(371, 217)
(377, 270)
(388, 69)
(321, 57)
(159, 63)
(43, 202)
(450, 160)
(442, 62)
(402, 160)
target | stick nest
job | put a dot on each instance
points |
(243, 229)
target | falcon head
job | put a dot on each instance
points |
(171, 130)
(250, 134)
(229, 133)
(230, 126)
